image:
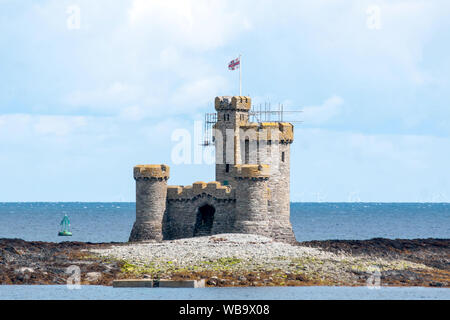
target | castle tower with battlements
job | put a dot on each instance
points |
(250, 194)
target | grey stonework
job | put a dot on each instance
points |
(250, 194)
(279, 209)
(151, 197)
(181, 216)
(252, 198)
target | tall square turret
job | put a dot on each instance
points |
(232, 113)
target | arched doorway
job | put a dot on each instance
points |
(204, 222)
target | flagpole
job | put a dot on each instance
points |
(240, 75)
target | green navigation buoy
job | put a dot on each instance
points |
(65, 224)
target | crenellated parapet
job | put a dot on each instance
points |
(282, 132)
(252, 171)
(238, 103)
(151, 172)
(214, 189)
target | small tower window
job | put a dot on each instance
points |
(227, 168)
(282, 156)
(247, 151)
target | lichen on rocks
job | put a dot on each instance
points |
(236, 255)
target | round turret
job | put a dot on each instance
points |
(252, 196)
(151, 195)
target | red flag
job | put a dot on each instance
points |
(234, 64)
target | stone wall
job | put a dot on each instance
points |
(183, 203)
(181, 216)
(215, 189)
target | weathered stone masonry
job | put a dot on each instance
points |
(250, 194)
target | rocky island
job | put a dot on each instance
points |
(232, 260)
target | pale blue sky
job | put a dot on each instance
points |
(80, 107)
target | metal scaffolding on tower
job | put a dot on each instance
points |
(260, 113)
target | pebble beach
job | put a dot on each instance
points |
(232, 260)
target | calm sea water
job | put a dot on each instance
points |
(250, 293)
(106, 222)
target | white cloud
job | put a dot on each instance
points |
(135, 103)
(108, 98)
(337, 31)
(199, 92)
(408, 151)
(196, 24)
(15, 127)
(133, 113)
(72, 158)
(314, 115)
(161, 65)
(58, 125)
(111, 131)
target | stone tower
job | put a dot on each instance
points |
(241, 142)
(232, 113)
(279, 182)
(250, 194)
(151, 195)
